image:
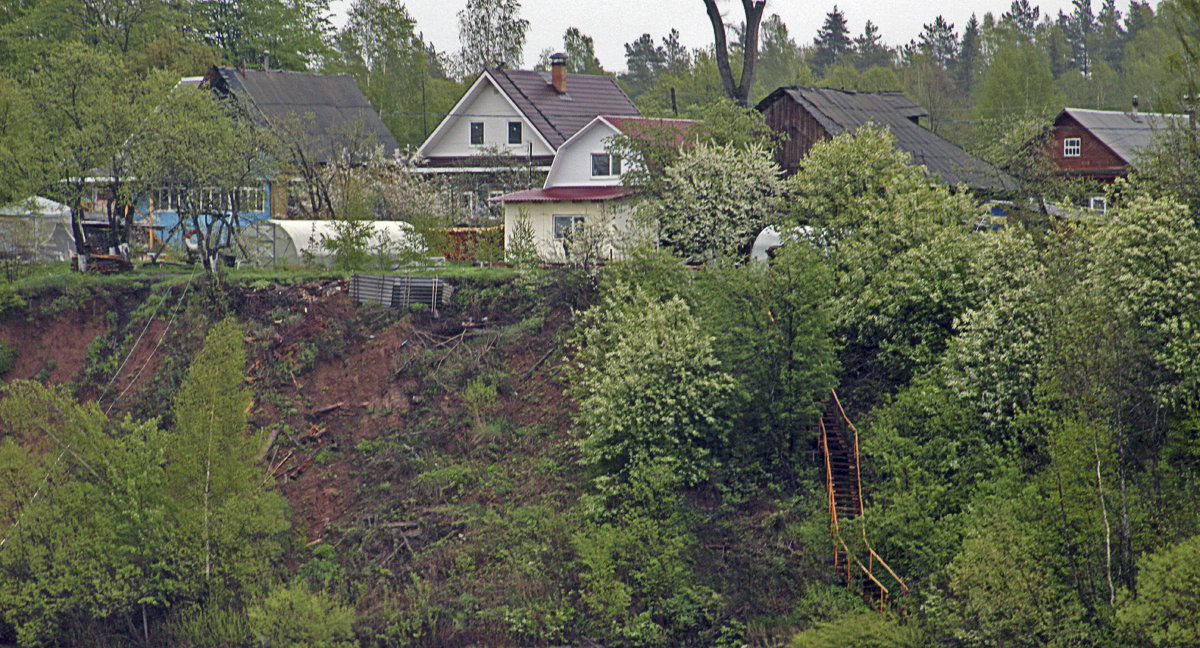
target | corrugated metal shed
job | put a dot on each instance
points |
(558, 116)
(839, 111)
(336, 105)
(1121, 132)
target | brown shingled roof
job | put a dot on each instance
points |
(559, 116)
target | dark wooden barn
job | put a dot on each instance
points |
(809, 115)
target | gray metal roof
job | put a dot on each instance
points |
(839, 111)
(336, 105)
(559, 116)
(1120, 131)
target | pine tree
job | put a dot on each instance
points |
(1078, 28)
(832, 41)
(1022, 18)
(939, 42)
(870, 49)
(968, 54)
(1110, 34)
(643, 61)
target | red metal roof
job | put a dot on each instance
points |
(652, 127)
(566, 194)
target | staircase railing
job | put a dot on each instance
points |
(844, 560)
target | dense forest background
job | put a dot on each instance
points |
(976, 79)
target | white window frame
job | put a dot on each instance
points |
(563, 223)
(520, 133)
(613, 165)
(1072, 146)
(252, 199)
(496, 209)
(468, 201)
(1098, 204)
(482, 134)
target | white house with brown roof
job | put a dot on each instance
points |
(526, 114)
(583, 194)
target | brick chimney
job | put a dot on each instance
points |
(558, 72)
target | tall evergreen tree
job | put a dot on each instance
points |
(675, 55)
(832, 41)
(1078, 28)
(1109, 37)
(1022, 18)
(643, 61)
(968, 54)
(869, 49)
(939, 42)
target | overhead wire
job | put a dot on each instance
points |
(67, 446)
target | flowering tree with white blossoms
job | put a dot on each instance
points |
(715, 200)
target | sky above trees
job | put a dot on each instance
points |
(612, 23)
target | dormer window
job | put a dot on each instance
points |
(477, 133)
(1071, 147)
(605, 165)
(514, 132)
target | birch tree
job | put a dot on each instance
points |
(491, 33)
(232, 523)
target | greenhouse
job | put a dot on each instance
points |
(302, 242)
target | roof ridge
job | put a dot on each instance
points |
(533, 103)
(245, 93)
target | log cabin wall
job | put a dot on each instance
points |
(1095, 160)
(800, 128)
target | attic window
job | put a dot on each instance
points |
(514, 132)
(1071, 147)
(605, 165)
(477, 133)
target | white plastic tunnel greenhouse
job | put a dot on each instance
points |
(302, 242)
(36, 229)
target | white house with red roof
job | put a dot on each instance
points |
(583, 189)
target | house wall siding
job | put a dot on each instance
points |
(801, 129)
(489, 106)
(1094, 159)
(573, 165)
(541, 218)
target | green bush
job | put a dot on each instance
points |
(296, 617)
(863, 630)
(1166, 611)
(8, 356)
(211, 625)
(10, 301)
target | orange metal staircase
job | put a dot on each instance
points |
(864, 571)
